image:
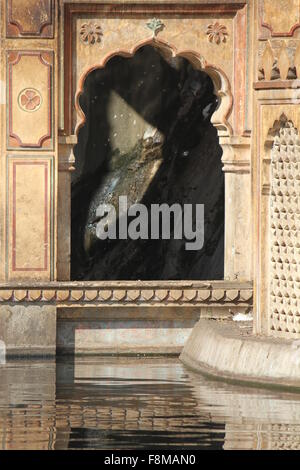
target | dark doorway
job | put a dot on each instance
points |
(147, 135)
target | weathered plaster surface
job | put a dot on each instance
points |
(28, 331)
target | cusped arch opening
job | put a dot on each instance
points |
(219, 79)
(146, 132)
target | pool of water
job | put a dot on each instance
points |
(137, 403)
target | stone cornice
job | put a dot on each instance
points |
(117, 293)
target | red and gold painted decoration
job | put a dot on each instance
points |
(30, 99)
(280, 18)
(30, 18)
(29, 193)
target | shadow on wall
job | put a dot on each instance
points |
(148, 136)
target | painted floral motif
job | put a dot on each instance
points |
(155, 25)
(217, 33)
(90, 33)
(30, 100)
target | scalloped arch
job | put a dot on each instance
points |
(221, 83)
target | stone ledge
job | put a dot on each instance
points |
(164, 293)
(120, 352)
(224, 349)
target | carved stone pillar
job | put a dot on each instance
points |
(66, 165)
(238, 238)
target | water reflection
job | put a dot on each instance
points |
(132, 403)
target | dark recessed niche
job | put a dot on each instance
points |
(147, 135)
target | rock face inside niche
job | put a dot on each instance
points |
(285, 232)
(148, 136)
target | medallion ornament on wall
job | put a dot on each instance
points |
(91, 33)
(217, 33)
(155, 25)
(29, 100)
(30, 91)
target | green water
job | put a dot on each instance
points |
(132, 403)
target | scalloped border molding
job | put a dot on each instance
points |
(222, 85)
(162, 294)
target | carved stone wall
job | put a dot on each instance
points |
(279, 43)
(30, 18)
(28, 147)
(47, 49)
(285, 232)
(275, 167)
(214, 37)
(274, 24)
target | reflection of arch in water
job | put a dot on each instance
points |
(219, 78)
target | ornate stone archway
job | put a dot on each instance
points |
(74, 38)
(200, 37)
(220, 80)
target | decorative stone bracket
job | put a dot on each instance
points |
(65, 152)
(236, 154)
